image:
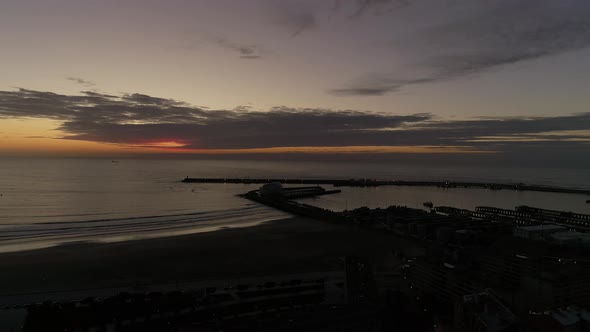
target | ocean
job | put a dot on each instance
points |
(45, 202)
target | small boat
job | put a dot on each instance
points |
(588, 201)
(428, 204)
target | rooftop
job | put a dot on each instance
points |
(538, 228)
(565, 317)
(572, 236)
(490, 310)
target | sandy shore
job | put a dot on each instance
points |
(294, 245)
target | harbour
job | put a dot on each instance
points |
(377, 183)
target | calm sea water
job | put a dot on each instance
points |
(46, 202)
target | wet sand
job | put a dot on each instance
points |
(294, 245)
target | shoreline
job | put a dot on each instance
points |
(11, 246)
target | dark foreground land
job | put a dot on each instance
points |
(295, 245)
(393, 269)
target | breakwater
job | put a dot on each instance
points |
(376, 183)
(300, 209)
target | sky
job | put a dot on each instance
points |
(495, 79)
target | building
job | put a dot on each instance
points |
(291, 304)
(571, 238)
(443, 280)
(483, 312)
(537, 232)
(361, 288)
(271, 189)
(570, 319)
(535, 275)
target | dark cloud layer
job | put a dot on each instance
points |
(138, 118)
(143, 119)
(486, 36)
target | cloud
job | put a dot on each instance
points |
(296, 17)
(143, 120)
(365, 90)
(81, 81)
(535, 127)
(244, 51)
(375, 85)
(300, 16)
(378, 7)
(474, 36)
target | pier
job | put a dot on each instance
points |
(376, 183)
(274, 195)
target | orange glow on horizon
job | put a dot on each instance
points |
(22, 137)
(59, 147)
(51, 146)
(163, 144)
(339, 150)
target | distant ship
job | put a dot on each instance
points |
(428, 204)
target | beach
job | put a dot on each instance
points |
(287, 246)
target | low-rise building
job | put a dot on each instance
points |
(483, 312)
(537, 232)
(570, 319)
(571, 238)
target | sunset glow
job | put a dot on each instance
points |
(294, 76)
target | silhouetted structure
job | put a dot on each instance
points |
(292, 305)
(484, 312)
(375, 183)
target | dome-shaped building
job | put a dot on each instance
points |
(271, 189)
